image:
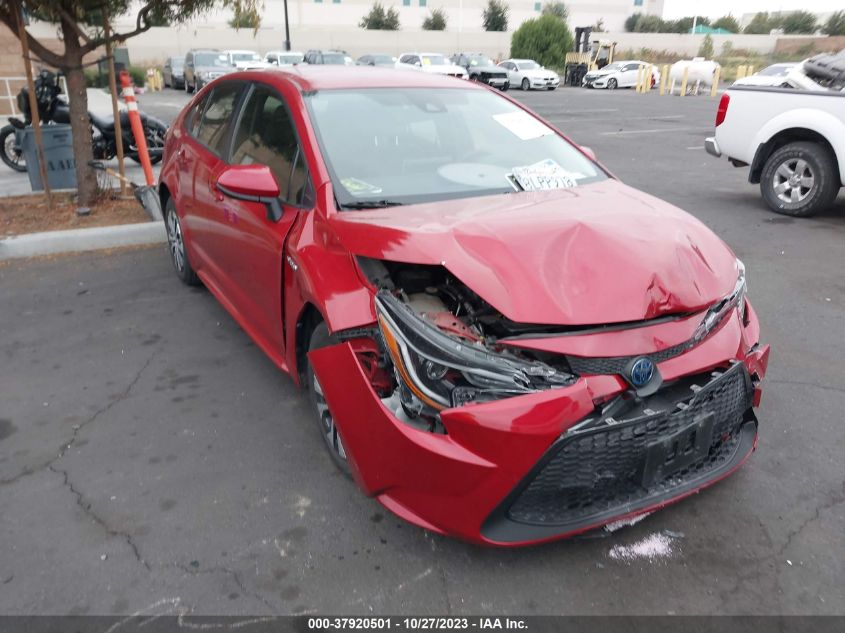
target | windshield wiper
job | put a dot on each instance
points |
(370, 204)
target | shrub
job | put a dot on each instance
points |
(557, 9)
(380, 20)
(436, 21)
(727, 22)
(495, 16)
(546, 40)
(835, 24)
(706, 48)
(799, 22)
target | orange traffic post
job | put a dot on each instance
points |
(137, 127)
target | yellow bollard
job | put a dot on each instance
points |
(684, 82)
(750, 70)
(159, 80)
(714, 89)
(740, 71)
(664, 78)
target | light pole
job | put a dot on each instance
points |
(287, 28)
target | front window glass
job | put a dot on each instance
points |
(480, 60)
(210, 59)
(613, 66)
(776, 71)
(215, 119)
(334, 58)
(529, 65)
(290, 58)
(413, 145)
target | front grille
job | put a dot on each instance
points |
(599, 365)
(600, 472)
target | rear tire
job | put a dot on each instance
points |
(176, 244)
(332, 439)
(526, 85)
(800, 179)
(12, 157)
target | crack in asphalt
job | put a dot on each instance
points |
(445, 590)
(86, 508)
(834, 500)
(77, 429)
(236, 576)
(805, 383)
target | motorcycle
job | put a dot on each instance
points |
(53, 108)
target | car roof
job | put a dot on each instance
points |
(238, 50)
(423, 53)
(310, 78)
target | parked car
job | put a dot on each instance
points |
(481, 68)
(771, 76)
(433, 63)
(284, 58)
(333, 58)
(173, 73)
(376, 60)
(499, 340)
(793, 142)
(245, 60)
(204, 65)
(528, 75)
(621, 74)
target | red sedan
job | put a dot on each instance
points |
(501, 341)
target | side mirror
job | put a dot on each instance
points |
(417, 64)
(589, 152)
(252, 183)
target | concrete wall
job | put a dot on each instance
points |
(687, 44)
(831, 44)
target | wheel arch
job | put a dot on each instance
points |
(307, 321)
(784, 137)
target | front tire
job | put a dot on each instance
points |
(800, 179)
(332, 438)
(612, 84)
(526, 85)
(11, 156)
(505, 87)
(176, 244)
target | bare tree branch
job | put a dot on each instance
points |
(72, 21)
(142, 25)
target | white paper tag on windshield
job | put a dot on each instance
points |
(523, 125)
(546, 174)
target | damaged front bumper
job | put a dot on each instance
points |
(540, 466)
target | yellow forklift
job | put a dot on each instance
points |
(588, 55)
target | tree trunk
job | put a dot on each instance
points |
(86, 179)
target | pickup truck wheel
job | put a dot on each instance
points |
(325, 421)
(799, 179)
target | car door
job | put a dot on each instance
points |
(253, 252)
(515, 75)
(628, 75)
(211, 144)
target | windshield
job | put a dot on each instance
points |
(413, 145)
(480, 60)
(210, 59)
(246, 57)
(528, 65)
(290, 58)
(777, 70)
(613, 66)
(433, 60)
(334, 58)
(177, 62)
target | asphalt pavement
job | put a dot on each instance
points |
(153, 460)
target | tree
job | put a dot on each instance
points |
(436, 21)
(631, 22)
(80, 27)
(557, 9)
(495, 16)
(650, 24)
(727, 22)
(546, 39)
(598, 27)
(835, 24)
(684, 25)
(799, 22)
(760, 24)
(706, 48)
(380, 20)
(246, 18)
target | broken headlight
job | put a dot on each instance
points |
(442, 371)
(722, 308)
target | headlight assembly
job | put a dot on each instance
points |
(722, 308)
(443, 371)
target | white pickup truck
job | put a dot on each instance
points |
(793, 141)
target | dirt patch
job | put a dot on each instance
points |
(29, 214)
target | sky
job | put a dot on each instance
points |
(673, 9)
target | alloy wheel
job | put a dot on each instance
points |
(174, 239)
(330, 431)
(793, 180)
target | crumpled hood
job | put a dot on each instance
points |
(594, 254)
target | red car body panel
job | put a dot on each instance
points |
(600, 255)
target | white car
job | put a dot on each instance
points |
(621, 74)
(528, 74)
(284, 58)
(773, 76)
(430, 63)
(245, 60)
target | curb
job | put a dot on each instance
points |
(80, 240)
